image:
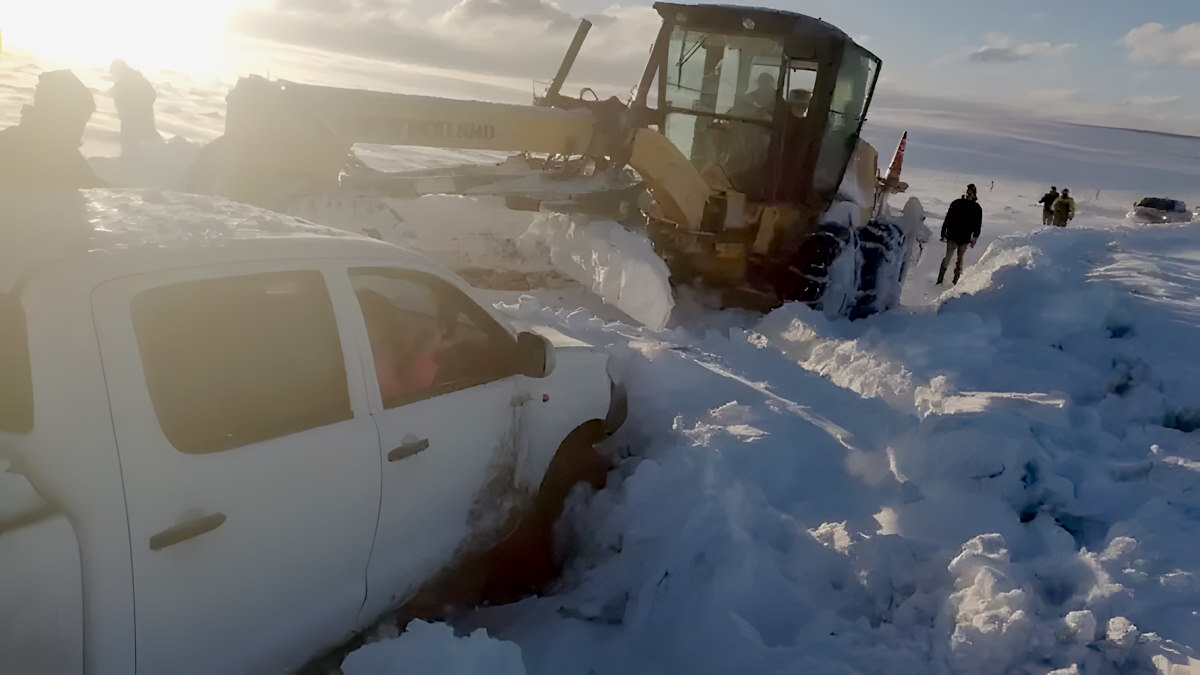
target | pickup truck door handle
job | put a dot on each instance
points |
(408, 450)
(184, 531)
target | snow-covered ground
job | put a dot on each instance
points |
(998, 477)
(1003, 482)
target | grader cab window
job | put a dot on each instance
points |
(801, 81)
(721, 94)
(851, 96)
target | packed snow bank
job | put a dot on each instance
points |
(1061, 363)
(459, 232)
(1004, 484)
(433, 648)
(482, 239)
(618, 265)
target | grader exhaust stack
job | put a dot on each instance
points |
(553, 92)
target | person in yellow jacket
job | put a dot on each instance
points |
(1064, 209)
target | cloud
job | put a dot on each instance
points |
(1154, 45)
(1052, 96)
(519, 39)
(999, 48)
(337, 6)
(474, 11)
(1150, 101)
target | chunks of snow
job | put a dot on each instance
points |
(608, 259)
(991, 612)
(1121, 632)
(433, 648)
(1078, 627)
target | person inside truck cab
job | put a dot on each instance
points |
(798, 101)
(744, 145)
(419, 367)
(758, 103)
(405, 356)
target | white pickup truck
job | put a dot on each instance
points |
(230, 439)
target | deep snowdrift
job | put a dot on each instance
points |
(1005, 484)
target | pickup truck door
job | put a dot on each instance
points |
(249, 459)
(449, 438)
(41, 587)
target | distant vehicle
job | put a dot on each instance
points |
(1160, 210)
(200, 469)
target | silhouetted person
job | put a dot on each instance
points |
(134, 98)
(798, 101)
(43, 149)
(960, 229)
(1047, 202)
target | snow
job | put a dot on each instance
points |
(432, 648)
(614, 263)
(474, 233)
(999, 476)
(983, 485)
(987, 145)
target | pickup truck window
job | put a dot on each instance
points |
(16, 378)
(240, 360)
(427, 338)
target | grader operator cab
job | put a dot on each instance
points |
(743, 133)
(773, 102)
(768, 106)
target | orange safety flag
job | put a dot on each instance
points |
(893, 175)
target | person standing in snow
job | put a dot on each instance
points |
(1064, 209)
(43, 149)
(1047, 202)
(960, 230)
(134, 98)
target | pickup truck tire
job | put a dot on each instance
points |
(524, 561)
(521, 564)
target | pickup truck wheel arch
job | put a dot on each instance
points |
(524, 561)
(520, 564)
(575, 461)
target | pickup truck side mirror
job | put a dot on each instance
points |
(535, 355)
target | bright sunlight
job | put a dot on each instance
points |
(185, 35)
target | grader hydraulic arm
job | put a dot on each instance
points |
(285, 133)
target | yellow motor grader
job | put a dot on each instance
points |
(739, 157)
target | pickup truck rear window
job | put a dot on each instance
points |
(240, 360)
(16, 378)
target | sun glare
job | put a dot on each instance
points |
(185, 35)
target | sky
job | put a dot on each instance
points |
(1098, 61)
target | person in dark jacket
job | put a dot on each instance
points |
(134, 98)
(1047, 202)
(960, 229)
(43, 149)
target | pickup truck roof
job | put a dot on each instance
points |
(110, 232)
